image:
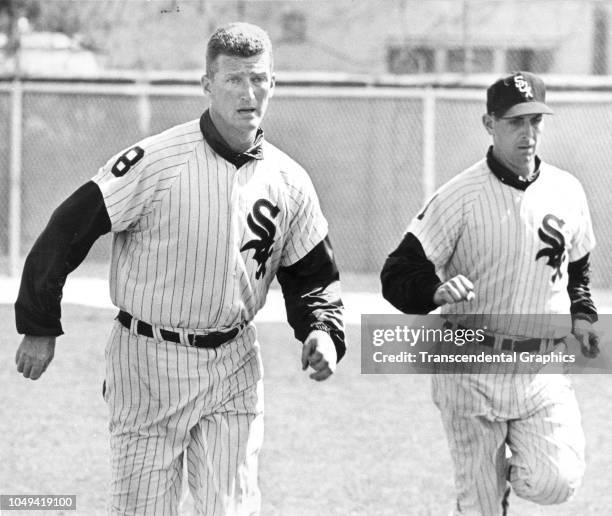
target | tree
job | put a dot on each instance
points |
(11, 11)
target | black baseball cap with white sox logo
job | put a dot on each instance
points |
(521, 93)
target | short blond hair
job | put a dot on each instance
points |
(237, 39)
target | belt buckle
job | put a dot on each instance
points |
(199, 335)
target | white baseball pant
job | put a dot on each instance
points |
(168, 401)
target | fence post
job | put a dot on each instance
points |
(429, 143)
(15, 178)
(144, 105)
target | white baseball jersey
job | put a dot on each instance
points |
(181, 215)
(514, 245)
(197, 242)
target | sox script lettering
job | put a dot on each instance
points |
(555, 239)
(263, 226)
(523, 86)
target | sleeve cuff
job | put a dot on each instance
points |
(336, 336)
(28, 324)
(321, 326)
(585, 317)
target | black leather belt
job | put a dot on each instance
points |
(508, 344)
(209, 340)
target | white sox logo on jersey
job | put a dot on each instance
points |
(263, 226)
(523, 86)
(554, 238)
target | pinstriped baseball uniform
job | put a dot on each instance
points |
(204, 216)
(508, 228)
(187, 254)
(212, 407)
(506, 244)
(514, 245)
(174, 207)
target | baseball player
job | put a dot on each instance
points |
(203, 216)
(509, 235)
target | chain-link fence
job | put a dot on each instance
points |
(374, 153)
(5, 102)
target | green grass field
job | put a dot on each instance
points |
(354, 445)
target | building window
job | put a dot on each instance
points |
(408, 59)
(471, 60)
(529, 60)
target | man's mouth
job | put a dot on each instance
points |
(246, 110)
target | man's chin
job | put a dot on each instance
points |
(250, 124)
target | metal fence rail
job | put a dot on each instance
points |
(374, 153)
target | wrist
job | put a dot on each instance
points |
(320, 326)
(584, 317)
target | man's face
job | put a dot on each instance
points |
(515, 140)
(239, 91)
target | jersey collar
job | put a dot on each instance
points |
(218, 144)
(507, 176)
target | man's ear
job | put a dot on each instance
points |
(272, 84)
(487, 122)
(205, 81)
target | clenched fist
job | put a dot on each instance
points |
(34, 355)
(588, 337)
(319, 353)
(456, 289)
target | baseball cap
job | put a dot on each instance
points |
(521, 93)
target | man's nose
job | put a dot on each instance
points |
(247, 91)
(528, 128)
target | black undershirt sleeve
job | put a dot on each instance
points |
(409, 279)
(578, 274)
(71, 231)
(311, 288)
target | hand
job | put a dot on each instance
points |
(320, 353)
(456, 289)
(588, 337)
(34, 355)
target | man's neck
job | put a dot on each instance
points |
(238, 142)
(507, 176)
(522, 172)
